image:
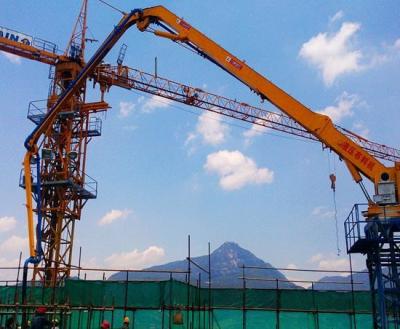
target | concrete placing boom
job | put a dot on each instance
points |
(57, 236)
(133, 79)
(130, 78)
(379, 237)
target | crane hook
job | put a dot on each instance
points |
(332, 177)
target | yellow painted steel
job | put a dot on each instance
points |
(353, 171)
(30, 52)
(357, 159)
(51, 116)
(319, 125)
(29, 207)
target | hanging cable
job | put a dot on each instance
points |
(336, 218)
(111, 6)
(332, 177)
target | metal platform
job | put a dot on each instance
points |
(37, 111)
(85, 191)
(379, 239)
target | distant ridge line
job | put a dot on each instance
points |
(302, 270)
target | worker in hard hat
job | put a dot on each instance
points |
(105, 325)
(40, 321)
(10, 323)
(125, 325)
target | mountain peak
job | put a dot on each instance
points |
(228, 245)
(226, 263)
(231, 251)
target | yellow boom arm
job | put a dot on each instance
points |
(176, 29)
(319, 125)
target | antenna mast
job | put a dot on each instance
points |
(76, 45)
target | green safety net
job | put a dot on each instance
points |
(173, 304)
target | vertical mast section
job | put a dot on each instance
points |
(64, 185)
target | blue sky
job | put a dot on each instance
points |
(164, 172)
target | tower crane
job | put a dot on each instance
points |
(55, 179)
(59, 183)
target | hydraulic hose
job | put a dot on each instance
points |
(32, 149)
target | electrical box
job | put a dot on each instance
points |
(47, 154)
(386, 193)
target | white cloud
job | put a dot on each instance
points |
(397, 44)
(338, 16)
(236, 170)
(7, 223)
(296, 276)
(143, 104)
(8, 274)
(378, 59)
(153, 103)
(114, 215)
(323, 212)
(316, 258)
(258, 128)
(360, 129)
(343, 108)
(4, 262)
(190, 137)
(11, 57)
(90, 263)
(330, 262)
(129, 128)
(136, 259)
(188, 142)
(389, 53)
(125, 109)
(13, 245)
(333, 54)
(9, 255)
(211, 129)
(255, 130)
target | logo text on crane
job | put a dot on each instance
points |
(182, 23)
(233, 62)
(15, 36)
(351, 150)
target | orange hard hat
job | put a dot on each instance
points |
(105, 325)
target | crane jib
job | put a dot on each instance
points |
(16, 36)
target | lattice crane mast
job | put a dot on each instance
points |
(134, 79)
(57, 177)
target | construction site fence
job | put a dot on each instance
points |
(172, 304)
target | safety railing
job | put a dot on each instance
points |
(45, 45)
(89, 188)
(94, 127)
(22, 182)
(354, 227)
(82, 184)
(37, 110)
